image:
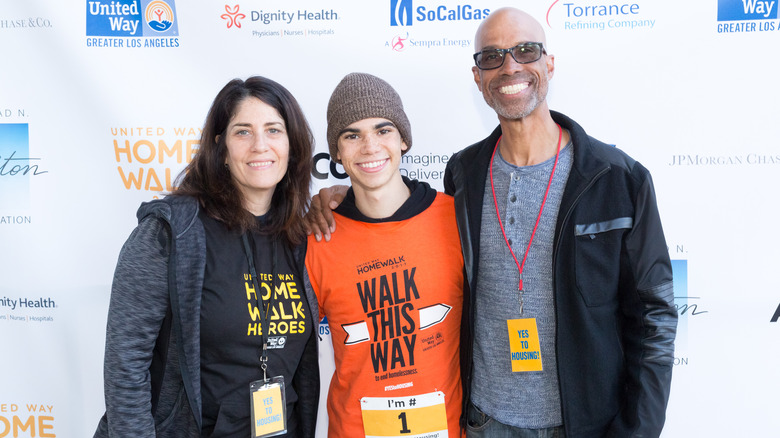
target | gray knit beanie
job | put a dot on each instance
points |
(362, 96)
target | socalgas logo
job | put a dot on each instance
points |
(747, 15)
(601, 15)
(404, 12)
(132, 23)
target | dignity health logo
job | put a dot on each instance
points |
(233, 16)
(148, 23)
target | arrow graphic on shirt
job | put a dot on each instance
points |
(432, 315)
(357, 332)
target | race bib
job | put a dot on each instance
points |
(413, 416)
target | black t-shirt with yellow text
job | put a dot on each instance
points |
(230, 332)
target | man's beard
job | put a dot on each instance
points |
(519, 110)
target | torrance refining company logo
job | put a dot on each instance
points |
(747, 15)
(587, 16)
(233, 16)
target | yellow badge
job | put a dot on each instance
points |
(268, 408)
(524, 350)
(406, 416)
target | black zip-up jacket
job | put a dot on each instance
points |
(614, 303)
(152, 359)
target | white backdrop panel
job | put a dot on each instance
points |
(690, 90)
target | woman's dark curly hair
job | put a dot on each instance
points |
(208, 179)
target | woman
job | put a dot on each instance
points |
(206, 271)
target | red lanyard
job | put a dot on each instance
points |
(520, 266)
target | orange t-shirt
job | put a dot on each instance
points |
(393, 294)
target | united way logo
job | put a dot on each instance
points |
(401, 12)
(159, 16)
(131, 18)
(741, 10)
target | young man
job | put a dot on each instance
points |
(391, 281)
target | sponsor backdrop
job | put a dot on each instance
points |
(102, 104)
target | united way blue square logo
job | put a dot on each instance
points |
(15, 165)
(740, 10)
(401, 12)
(132, 18)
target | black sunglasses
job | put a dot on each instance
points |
(524, 53)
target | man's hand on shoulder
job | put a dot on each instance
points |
(319, 220)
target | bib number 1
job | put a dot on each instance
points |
(407, 416)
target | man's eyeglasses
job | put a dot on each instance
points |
(522, 53)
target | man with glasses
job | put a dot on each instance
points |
(571, 321)
(569, 324)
